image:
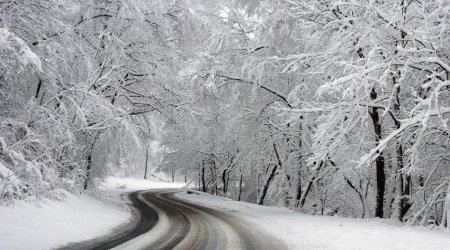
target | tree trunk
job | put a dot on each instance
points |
(267, 184)
(390, 197)
(199, 179)
(225, 181)
(379, 162)
(89, 161)
(240, 187)
(404, 187)
(312, 179)
(212, 170)
(445, 222)
(146, 164)
(202, 176)
(88, 171)
(299, 188)
(258, 191)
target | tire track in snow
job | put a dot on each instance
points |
(167, 222)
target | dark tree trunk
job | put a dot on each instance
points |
(258, 188)
(302, 201)
(312, 179)
(379, 161)
(202, 177)
(213, 171)
(262, 197)
(270, 178)
(199, 179)
(146, 164)
(405, 203)
(89, 161)
(240, 187)
(299, 188)
(225, 174)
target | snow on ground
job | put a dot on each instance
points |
(133, 184)
(26, 226)
(304, 232)
(76, 218)
(83, 217)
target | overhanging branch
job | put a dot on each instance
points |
(272, 91)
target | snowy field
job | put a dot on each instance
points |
(76, 218)
(304, 232)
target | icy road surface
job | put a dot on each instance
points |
(167, 222)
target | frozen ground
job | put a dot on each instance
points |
(317, 232)
(77, 218)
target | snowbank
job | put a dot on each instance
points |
(301, 231)
(54, 223)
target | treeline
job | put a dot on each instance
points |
(327, 107)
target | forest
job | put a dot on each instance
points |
(327, 107)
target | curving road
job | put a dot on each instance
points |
(166, 222)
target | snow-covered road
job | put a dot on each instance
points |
(167, 222)
(49, 223)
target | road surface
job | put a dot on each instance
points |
(166, 222)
